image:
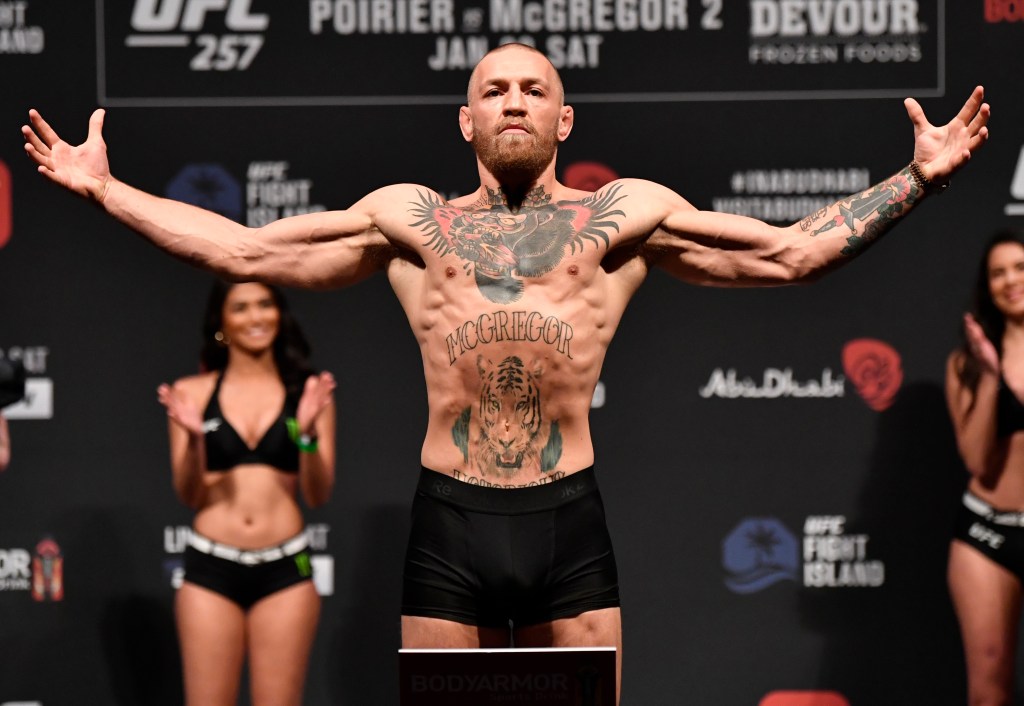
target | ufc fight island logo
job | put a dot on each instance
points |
(219, 35)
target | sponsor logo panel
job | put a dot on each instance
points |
(38, 571)
(760, 552)
(258, 52)
(774, 383)
(834, 33)
(269, 192)
(874, 367)
(787, 195)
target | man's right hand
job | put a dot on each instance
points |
(83, 169)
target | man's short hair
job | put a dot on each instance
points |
(515, 45)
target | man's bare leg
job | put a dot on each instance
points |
(596, 628)
(434, 633)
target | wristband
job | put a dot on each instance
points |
(926, 184)
(307, 443)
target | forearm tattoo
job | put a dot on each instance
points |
(877, 210)
(512, 432)
(500, 247)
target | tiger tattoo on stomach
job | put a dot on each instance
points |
(512, 433)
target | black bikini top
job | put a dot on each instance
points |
(1009, 411)
(226, 449)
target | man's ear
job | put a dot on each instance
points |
(565, 123)
(466, 123)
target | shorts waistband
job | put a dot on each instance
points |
(997, 517)
(248, 557)
(507, 501)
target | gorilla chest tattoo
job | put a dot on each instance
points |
(502, 249)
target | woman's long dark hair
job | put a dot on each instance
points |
(291, 349)
(985, 312)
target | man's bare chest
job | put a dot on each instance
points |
(504, 251)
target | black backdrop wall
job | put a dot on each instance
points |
(778, 466)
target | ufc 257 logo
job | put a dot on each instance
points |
(181, 24)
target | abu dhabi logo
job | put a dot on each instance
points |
(208, 186)
(875, 369)
(1016, 207)
(775, 383)
(759, 552)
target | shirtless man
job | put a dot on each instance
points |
(514, 292)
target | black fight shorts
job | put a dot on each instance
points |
(246, 576)
(997, 534)
(486, 556)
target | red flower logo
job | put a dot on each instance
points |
(588, 176)
(875, 369)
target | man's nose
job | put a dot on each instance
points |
(514, 102)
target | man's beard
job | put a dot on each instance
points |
(516, 157)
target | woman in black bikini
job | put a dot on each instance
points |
(984, 389)
(246, 437)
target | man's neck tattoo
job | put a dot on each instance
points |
(511, 199)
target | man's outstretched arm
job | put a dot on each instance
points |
(726, 250)
(316, 250)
